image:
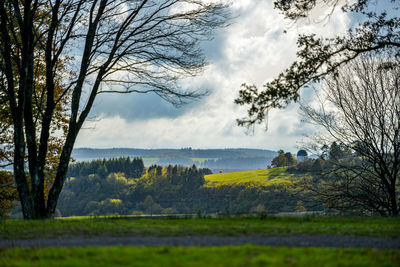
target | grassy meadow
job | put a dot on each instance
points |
(247, 255)
(159, 226)
(261, 176)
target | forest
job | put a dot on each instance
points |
(95, 188)
(123, 186)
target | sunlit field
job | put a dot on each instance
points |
(261, 176)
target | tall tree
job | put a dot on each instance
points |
(378, 30)
(59, 124)
(113, 46)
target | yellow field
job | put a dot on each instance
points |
(261, 176)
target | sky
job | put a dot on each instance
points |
(253, 49)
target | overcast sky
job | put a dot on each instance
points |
(253, 49)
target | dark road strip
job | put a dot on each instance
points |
(338, 241)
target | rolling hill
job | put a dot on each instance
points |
(227, 160)
(261, 176)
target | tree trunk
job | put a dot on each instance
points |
(393, 200)
(61, 173)
(19, 172)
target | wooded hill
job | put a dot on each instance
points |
(180, 190)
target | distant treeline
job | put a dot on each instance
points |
(132, 168)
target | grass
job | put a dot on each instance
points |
(261, 176)
(9, 229)
(248, 255)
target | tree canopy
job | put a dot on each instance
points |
(377, 31)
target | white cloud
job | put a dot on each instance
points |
(253, 50)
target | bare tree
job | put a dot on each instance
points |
(360, 109)
(88, 48)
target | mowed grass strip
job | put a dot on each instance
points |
(248, 255)
(12, 229)
(261, 176)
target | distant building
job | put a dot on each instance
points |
(301, 155)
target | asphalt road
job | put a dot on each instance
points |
(338, 241)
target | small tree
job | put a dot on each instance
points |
(280, 160)
(360, 110)
(283, 159)
(150, 206)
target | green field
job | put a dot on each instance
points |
(262, 176)
(9, 229)
(198, 256)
